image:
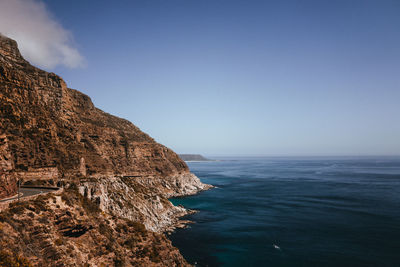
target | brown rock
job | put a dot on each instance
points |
(8, 181)
(116, 176)
(60, 230)
(51, 126)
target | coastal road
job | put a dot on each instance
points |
(26, 192)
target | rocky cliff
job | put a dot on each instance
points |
(69, 230)
(8, 181)
(48, 124)
(53, 134)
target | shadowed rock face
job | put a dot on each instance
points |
(48, 124)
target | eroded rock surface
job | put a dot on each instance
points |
(53, 133)
(48, 125)
(8, 181)
(66, 229)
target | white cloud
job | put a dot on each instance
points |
(41, 39)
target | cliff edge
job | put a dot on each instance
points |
(53, 135)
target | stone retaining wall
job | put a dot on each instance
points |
(4, 205)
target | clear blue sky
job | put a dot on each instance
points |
(244, 77)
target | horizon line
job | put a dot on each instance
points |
(288, 155)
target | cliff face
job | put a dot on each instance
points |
(55, 135)
(8, 181)
(49, 124)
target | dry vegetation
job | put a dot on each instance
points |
(68, 230)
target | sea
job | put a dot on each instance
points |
(294, 211)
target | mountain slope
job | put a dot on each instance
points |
(51, 134)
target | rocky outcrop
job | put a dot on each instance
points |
(142, 199)
(56, 134)
(67, 230)
(8, 181)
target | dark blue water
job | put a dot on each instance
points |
(294, 212)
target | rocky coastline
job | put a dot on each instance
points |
(113, 209)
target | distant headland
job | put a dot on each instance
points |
(193, 157)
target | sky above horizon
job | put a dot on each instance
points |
(220, 77)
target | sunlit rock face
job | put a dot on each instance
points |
(49, 124)
(117, 179)
(8, 181)
(55, 133)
